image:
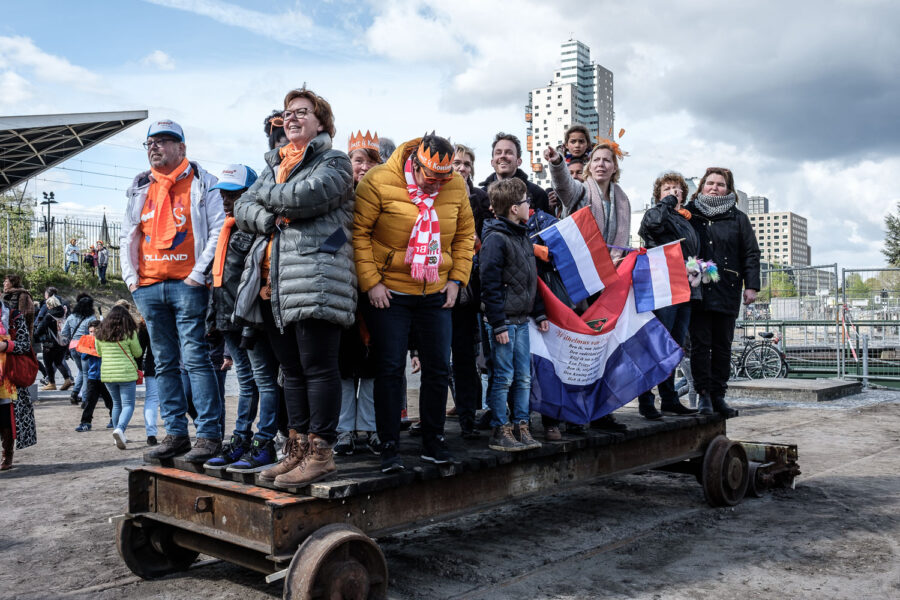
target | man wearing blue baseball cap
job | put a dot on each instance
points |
(169, 236)
(251, 354)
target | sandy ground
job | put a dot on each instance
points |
(647, 535)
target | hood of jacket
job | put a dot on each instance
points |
(493, 177)
(503, 225)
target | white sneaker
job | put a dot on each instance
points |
(120, 438)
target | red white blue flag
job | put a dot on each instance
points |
(586, 367)
(660, 278)
(579, 253)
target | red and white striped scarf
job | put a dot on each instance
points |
(423, 253)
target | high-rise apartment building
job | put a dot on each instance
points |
(782, 238)
(757, 204)
(580, 92)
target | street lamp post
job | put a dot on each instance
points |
(48, 201)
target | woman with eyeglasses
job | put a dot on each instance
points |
(413, 237)
(726, 238)
(299, 281)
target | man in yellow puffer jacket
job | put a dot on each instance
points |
(413, 240)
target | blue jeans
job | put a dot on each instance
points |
(151, 404)
(79, 378)
(675, 319)
(357, 405)
(257, 374)
(390, 329)
(510, 375)
(122, 393)
(101, 272)
(175, 314)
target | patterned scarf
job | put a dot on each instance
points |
(163, 229)
(424, 250)
(711, 206)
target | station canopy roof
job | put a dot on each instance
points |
(29, 145)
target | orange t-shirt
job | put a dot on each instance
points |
(177, 261)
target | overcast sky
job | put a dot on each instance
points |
(800, 99)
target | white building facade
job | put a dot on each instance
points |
(580, 92)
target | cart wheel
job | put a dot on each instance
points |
(726, 472)
(149, 550)
(754, 486)
(337, 562)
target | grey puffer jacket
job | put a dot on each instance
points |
(312, 270)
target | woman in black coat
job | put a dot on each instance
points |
(726, 237)
(667, 221)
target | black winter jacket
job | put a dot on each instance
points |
(537, 197)
(221, 300)
(663, 224)
(481, 206)
(508, 275)
(727, 239)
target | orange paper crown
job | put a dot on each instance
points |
(434, 161)
(365, 142)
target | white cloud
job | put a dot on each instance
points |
(159, 60)
(14, 89)
(20, 53)
(290, 27)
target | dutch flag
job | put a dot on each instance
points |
(579, 253)
(660, 278)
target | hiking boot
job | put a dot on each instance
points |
(317, 464)
(503, 440)
(66, 385)
(647, 409)
(720, 406)
(373, 443)
(345, 444)
(295, 448)
(203, 450)
(552, 434)
(608, 423)
(677, 408)
(120, 438)
(83, 427)
(705, 405)
(523, 434)
(231, 452)
(50, 387)
(260, 456)
(151, 440)
(170, 446)
(390, 460)
(435, 450)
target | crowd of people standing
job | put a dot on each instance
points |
(318, 276)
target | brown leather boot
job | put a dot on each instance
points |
(9, 444)
(317, 465)
(295, 448)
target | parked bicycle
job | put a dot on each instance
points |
(759, 359)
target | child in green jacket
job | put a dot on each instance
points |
(118, 347)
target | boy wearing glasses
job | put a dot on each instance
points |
(509, 295)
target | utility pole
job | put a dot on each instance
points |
(48, 201)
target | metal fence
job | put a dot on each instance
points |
(870, 323)
(29, 243)
(801, 305)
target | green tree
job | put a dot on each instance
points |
(891, 248)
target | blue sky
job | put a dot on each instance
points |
(799, 99)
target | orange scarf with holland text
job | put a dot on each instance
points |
(221, 246)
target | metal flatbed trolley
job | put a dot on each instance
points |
(319, 538)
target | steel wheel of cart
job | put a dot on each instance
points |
(149, 551)
(337, 561)
(726, 472)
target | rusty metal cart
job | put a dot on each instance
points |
(319, 538)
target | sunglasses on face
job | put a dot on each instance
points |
(434, 180)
